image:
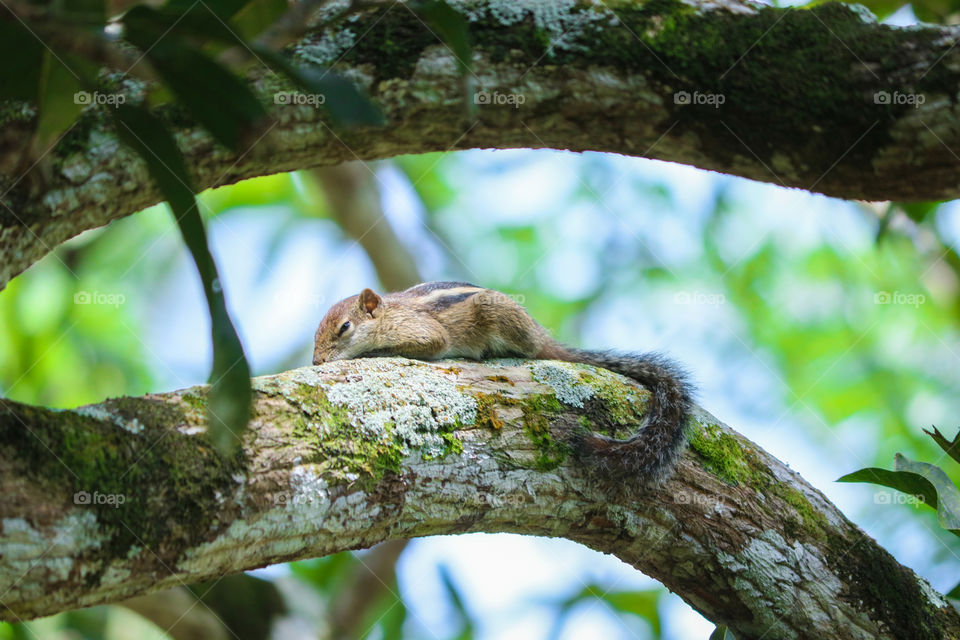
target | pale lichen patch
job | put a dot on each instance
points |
(99, 412)
(565, 379)
(415, 402)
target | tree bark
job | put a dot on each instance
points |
(113, 500)
(822, 99)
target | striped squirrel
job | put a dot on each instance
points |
(438, 320)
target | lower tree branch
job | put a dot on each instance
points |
(113, 500)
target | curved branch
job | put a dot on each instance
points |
(108, 501)
(820, 99)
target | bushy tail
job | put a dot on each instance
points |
(652, 452)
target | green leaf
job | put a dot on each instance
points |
(906, 482)
(228, 402)
(145, 26)
(344, 101)
(951, 448)
(722, 633)
(58, 99)
(925, 481)
(217, 98)
(948, 504)
(450, 26)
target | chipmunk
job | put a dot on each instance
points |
(438, 320)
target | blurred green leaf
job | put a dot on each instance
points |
(59, 102)
(642, 604)
(230, 394)
(466, 628)
(325, 574)
(256, 16)
(451, 27)
(217, 98)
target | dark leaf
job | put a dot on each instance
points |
(225, 9)
(229, 399)
(83, 12)
(952, 448)
(342, 99)
(217, 98)
(22, 55)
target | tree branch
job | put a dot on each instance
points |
(820, 99)
(126, 497)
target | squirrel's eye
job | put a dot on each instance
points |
(343, 328)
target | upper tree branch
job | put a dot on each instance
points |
(126, 497)
(819, 99)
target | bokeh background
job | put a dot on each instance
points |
(826, 331)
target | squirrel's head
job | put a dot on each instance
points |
(345, 332)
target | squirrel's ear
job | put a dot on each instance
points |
(369, 301)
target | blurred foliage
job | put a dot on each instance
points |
(811, 325)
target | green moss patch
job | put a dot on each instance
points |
(175, 489)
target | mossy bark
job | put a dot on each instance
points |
(109, 501)
(821, 99)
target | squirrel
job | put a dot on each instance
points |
(437, 320)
